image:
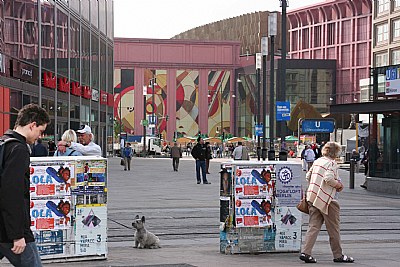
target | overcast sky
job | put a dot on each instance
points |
(166, 18)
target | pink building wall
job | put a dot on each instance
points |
(335, 29)
(173, 55)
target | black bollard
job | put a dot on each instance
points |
(264, 154)
(258, 153)
(352, 169)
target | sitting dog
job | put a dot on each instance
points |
(143, 238)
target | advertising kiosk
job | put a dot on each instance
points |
(69, 207)
(258, 206)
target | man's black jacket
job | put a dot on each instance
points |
(15, 218)
(199, 151)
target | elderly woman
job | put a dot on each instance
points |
(324, 185)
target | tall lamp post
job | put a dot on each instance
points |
(264, 45)
(284, 5)
(144, 119)
(258, 120)
(153, 83)
(272, 31)
(222, 118)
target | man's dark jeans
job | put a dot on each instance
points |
(29, 258)
(201, 164)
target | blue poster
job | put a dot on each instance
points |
(282, 111)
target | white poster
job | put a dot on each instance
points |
(91, 230)
(51, 179)
(51, 214)
(288, 185)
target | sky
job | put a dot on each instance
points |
(162, 19)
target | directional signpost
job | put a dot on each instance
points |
(318, 126)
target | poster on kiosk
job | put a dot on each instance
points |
(69, 206)
(258, 206)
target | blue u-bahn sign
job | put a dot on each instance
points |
(317, 126)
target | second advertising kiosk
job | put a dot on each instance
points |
(258, 206)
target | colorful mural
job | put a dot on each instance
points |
(124, 98)
(156, 101)
(219, 103)
(187, 102)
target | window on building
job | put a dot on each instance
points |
(397, 3)
(294, 40)
(381, 60)
(395, 56)
(382, 33)
(396, 29)
(317, 36)
(306, 39)
(331, 33)
(383, 6)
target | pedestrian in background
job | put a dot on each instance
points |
(51, 147)
(309, 157)
(68, 136)
(176, 154)
(208, 156)
(39, 150)
(322, 193)
(200, 155)
(355, 156)
(240, 152)
(128, 153)
(17, 242)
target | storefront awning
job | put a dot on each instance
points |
(367, 107)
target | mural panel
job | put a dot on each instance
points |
(156, 100)
(219, 103)
(124, 99)
(187, 102)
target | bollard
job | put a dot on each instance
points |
(264, 153)
(352, 169)
(258, 153)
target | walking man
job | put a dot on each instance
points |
(199, 153)
(176, 154)
(128, 152)
(17, 242)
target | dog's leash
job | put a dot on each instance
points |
(120, 223)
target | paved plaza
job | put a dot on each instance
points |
(186, 218)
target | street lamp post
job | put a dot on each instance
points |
(264, 45)
(222, 126)
(153, 83)
(284, 4)
(144, 119)
(272, 31)
(258, 116)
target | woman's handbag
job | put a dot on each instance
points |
(302, 205)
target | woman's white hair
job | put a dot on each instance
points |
(331, 150)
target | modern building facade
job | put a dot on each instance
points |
(335, 29)
(247, 28)
(181, 87)
(382, 99)
(58, 54)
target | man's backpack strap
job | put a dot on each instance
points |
(2, 145)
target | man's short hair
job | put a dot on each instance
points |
(32, 113)
(240, 143)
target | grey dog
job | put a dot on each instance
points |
(143, 238)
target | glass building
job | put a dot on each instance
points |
(58, 54)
